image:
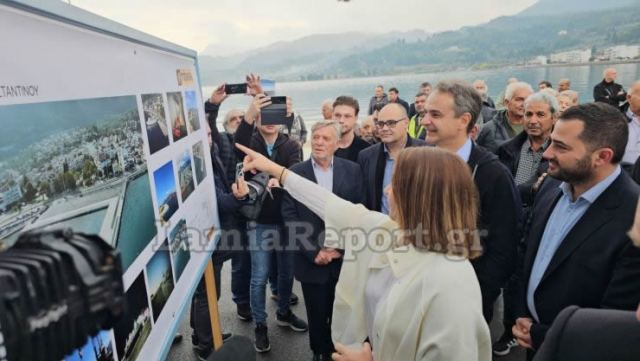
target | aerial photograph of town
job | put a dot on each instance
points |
(77, 164)
(155, 122)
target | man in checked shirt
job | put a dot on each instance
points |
(523, 156)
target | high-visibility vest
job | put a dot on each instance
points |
(416, 129)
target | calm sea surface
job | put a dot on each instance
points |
(308, 96)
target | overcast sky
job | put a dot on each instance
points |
(232, 25)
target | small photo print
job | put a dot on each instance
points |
(155, 122)
(160, 280)
(98, 348)
(192, 110)
(133, 329)
(185, 175)
(199, 162)
(179, 244)
(176, 114)
(166, 195)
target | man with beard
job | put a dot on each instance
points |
(578, 252)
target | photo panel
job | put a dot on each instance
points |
(166, 194)
(176, 116)
(68, 164)
(185, 174)
(199, 162)
(132, 331)
(98, 348)
(179, 244)
(160, 280)
(155, 122)
(191, 100)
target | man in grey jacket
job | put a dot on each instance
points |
(379, 98)
(507, 123)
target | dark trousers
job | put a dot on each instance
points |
(318, 299)
(200, 321)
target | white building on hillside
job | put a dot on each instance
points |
(622, 52)
(572, 56)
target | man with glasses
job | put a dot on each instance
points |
(377, 160)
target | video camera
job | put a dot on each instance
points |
(56, 289)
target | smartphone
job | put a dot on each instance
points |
(276, 113)
(240, 88)
(239, 172)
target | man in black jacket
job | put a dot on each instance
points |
(316, 267)
(394, 97)
(377, 160)
(345, 112)
(452, 111)
(578, 252)
(225, 151)
(608, 91)
(267, 232)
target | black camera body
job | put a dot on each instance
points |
(56, 289)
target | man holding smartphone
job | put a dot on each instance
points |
(267, 230)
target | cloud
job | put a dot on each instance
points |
(245, 24)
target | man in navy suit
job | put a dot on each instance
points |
(316, 267)
(578, 252)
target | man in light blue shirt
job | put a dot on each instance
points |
(578, 251)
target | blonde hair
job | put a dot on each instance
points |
(436, 201)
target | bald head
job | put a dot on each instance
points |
(564, 84)
(633, 96)
(392, 124)
(610, 75)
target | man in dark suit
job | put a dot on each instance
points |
(377, 160)
(452, 110)
(578, 252)
(316, 267)
(579, 334)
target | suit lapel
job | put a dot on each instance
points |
(307, 171)
(598, 214)
(338, 177)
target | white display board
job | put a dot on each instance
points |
(103, 130)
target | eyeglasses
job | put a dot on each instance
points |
(390, 123)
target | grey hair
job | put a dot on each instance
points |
(327, 103)
(328, 123)
(513, 87)
(227, 117)
(466, 99)
(544, 97)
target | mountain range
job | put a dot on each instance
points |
(546, 26)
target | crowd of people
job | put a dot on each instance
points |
(405, 228)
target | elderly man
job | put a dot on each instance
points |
(578, 252)
(377, 161)
(507, 123)
(608, 91)
(523, 154)
(379, 99)
(452, 111)
(523, 157)
(632, 112)
(327, 109)
(316, 267)
(488, 106)
(564, 84)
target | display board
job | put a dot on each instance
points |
(103, 131)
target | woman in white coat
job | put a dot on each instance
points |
(406, 282)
